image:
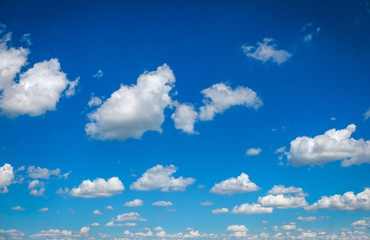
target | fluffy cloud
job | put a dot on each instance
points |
(346, 202)
(98, 188)
(38, 89)
(17, 208)
(131, 216)
(159, 177)
(220, 210)
(53, 234)
(11, 234)
(239, 231)
(331, 146)
(84, 230)
(220, 97)
(94, 101)
(232, 185)
(281, 189)
(41, 173)
(184, 117)
(253, 151)
(254, 208)
(37, 188)
(97, 212)
(266, 51)
(281, 197)
(162, 203)
(132, 110)
(6, 177)
(134, 203)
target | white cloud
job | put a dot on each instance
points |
(312, 218)
(53, 234)
(282, 201)
(114, 224)
(84, 230)
(289, 227)
(159, 177)
(134, 203)
(206, 203)
(266, 51)
(237, 228)
(220, 210)
(281, 189)
(220, 97)
(367, 114)
(17, 208)
(37, 188)
(346, 202)
(95, 224)
(41, 173)
(131, 216)
(162, 203)
(62, 191)
(43, 209)
(98, 188)
(254, 208)
(132, 110)
(97, 212)
(331, 146)
(232, 185)
(253, 151)
(26, 38)
(94, 101)
(109, 207)
(6, 177)
(98, 75)
(11, 234)
(184, 117)
(361, 224)
(310, 32)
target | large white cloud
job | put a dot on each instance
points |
(41, 173)
(132, 110)
(346, 202)
(254, 208)
(184, 117)
(282, 197)
(37, 90)
(233, 185)
(266, 51)
(159, 177)
(6, 177)
(98, 188)
(331, 146)
(220, 97)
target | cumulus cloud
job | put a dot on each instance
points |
(94, 101)
(17, 208)
(220, 97)
(233, 185)
(185, 117)
(41, 173)
(282, 197)
(6, 177)
(133, 110)
(333, 145)
(254, 208)
(97, 212)
(253, 151)
(131, 216)
(281, 189)
(162, 203)
(37, 188)
(220, 210)
(266, 51)
(346, 202)
(134, 203)
(37, 90)
(11, 234)
(159, 177)
(84, 230)
(53, 234)
(239, 231)
(98, 188)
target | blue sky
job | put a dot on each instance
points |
(197, 119)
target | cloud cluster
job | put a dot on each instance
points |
(333, 145)
(233, 185)
(98, 188)
(254, 208)
(6, 177)
(159, 177)
(282, 197)
(266, 51)
(41, 173)
(37, 188)
(36, 90)
(238, 231)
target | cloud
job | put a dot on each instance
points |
(41, 173)
(43, 209)
(281, 189)
(254, 208)
(98, 188)
(266, 51)
(312, 218)
(239, 231)
(253, 151)
(26, 38)
(98, 75)
(220, 97)
(232, 185)
(131, 216)
(282, 197)
(94, 101)
(6, 177)
(37, 188)
(134, 203)
(37, 90)
(310, 32)
(11, 234)
(159, 177)
(184, 117)
(206, 203)
(95, 224)
(53, 234)
(346, 202)
(109, 207)
(367, 114)
(220, 210)
(113, 224)
(97, 212)
(162, 203)
(17, 208)
(133, 110)
(84, 230)
(332, 146)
